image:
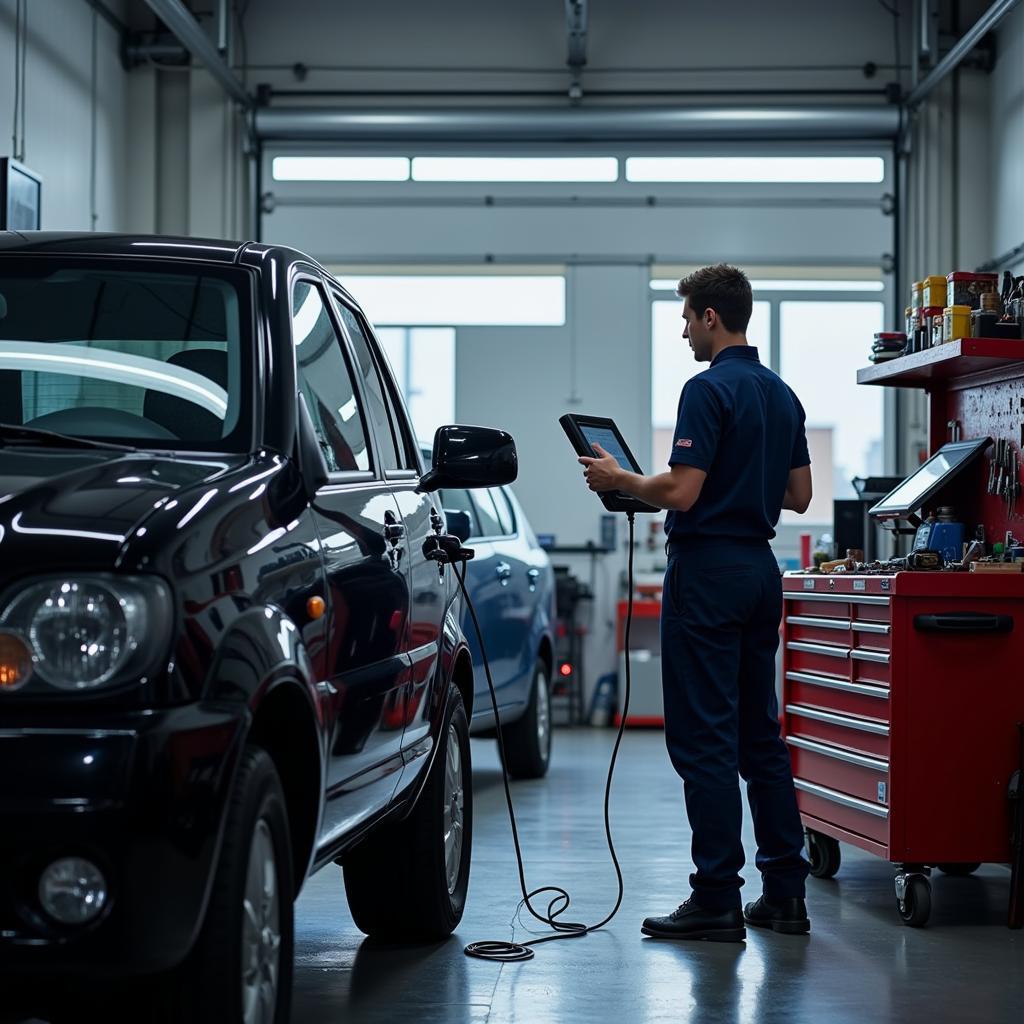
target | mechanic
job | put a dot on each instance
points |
(739, 457)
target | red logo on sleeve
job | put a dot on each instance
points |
(684, 442)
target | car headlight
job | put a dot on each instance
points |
(85, 632)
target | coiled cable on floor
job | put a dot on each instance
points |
(515, 952)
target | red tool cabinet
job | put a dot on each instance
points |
(902, 693)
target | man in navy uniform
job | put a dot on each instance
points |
(739, 456)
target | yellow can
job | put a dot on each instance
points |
(935, 289)
(917, 294)
(956, 323)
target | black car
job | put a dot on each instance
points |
(229, 652)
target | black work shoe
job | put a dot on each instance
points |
(692, 921)
(786, 916)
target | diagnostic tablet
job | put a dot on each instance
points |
(586, 431)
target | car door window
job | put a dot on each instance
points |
(490, 524)
(383, 414)
(458, 500)
(325, 380)
(504, 509)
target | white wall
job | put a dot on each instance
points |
(1006, 125)
(59, 111)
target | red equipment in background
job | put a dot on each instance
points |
(902, 692)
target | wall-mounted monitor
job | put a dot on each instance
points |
(21, 194)
(924, 484)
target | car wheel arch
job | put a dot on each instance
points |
(285, 726)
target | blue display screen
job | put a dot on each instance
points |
(605, 437)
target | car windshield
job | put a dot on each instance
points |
(150, 356)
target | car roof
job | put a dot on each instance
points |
(209, 250)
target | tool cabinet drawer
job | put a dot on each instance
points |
(863, 817)
(825, 659)
(871, 668)
(840, 695)
(818, 606)
(872, 636)
(871, 608)
(817, 629)
(865, 735)
(857, 775)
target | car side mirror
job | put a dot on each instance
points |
(312, 464)
(459, 524)
(471, 457)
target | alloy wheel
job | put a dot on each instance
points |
(261, 930)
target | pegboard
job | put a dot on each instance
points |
(986, 404)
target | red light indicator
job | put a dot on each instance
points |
(566, 669)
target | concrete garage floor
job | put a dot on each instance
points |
(860, 963)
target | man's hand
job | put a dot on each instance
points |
(603, 473)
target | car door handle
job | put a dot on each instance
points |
(394, 532)
(504, 573)
(533, 575)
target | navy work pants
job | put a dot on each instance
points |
(720, 618)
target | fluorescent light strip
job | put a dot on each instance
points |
(341, 168)
(757, 170)
(499, 168)
(817, 285)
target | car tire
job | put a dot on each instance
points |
(408, 881)
(240, 971)
(527, 740)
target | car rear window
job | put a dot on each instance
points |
(156, 355)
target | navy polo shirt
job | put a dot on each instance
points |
(744, 427)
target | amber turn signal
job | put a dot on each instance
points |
(315, 607)
(15, 662)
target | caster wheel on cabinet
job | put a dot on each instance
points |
(823, 853)
(913, 900)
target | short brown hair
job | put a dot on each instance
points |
(724, 289)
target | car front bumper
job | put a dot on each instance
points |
(142, 796)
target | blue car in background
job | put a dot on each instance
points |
(512, 585)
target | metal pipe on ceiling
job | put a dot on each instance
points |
(985, 24)
(181, 21)
(578, 124)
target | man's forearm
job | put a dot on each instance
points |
(659, 490)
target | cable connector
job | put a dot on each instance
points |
(445, 548)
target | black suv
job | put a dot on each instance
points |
(230, 653)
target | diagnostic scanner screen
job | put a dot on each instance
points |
(609, 442)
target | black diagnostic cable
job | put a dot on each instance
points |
(514, 952)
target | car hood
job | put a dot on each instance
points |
(79, 507)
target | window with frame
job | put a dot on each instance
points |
(506, 517)
(325, 380)
(490, 524)
(458, 500)
(394, 446)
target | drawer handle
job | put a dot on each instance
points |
(859, 654)
(848, 756)
(836, 598)
(963, 622)
(841, 798)
(807, 620)
(838, 684)
(872, 627)
(861, 724)
(826, 649)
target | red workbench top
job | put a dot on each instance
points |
(910, 584)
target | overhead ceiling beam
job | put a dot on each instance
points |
(182, 23)
(985, 24)
(578, 124)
